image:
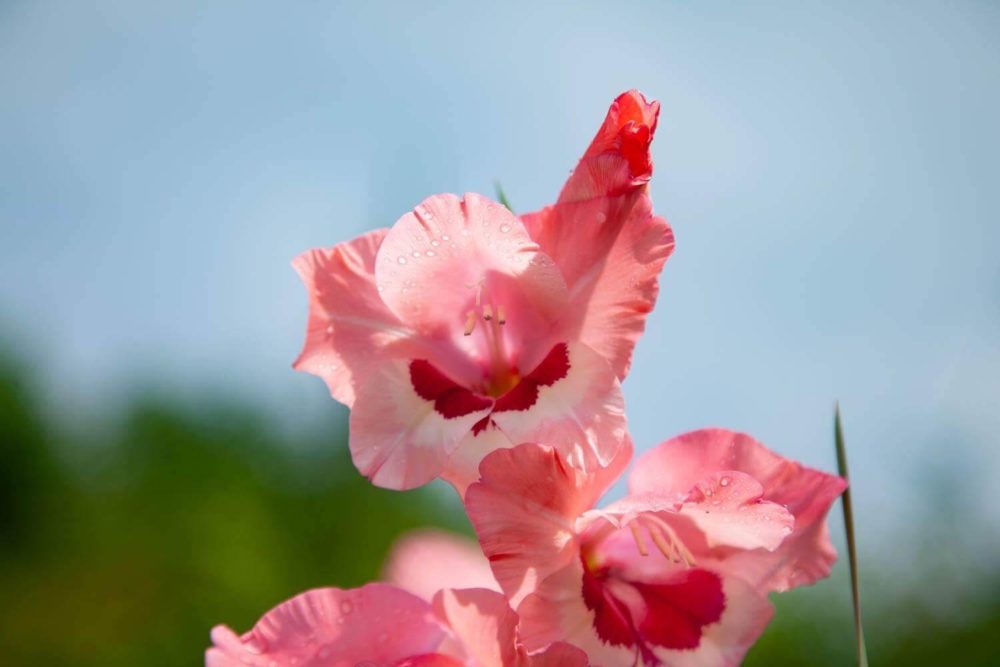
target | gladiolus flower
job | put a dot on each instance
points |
(676, 573)
(379, 625)
(463, 328)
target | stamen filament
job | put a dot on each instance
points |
(637, 536)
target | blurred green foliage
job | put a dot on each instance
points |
(124, 544)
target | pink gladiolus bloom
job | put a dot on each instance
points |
(379, 625)
(676, 573)
(424, 562)
(463, 328)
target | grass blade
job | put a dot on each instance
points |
(852, 552)
(502, 196)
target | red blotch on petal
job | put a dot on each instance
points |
(450, 399)
(554, 367)
(677, 612)
(612, 620)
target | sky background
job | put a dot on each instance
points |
(830, 174)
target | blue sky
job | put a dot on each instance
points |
(830, 173)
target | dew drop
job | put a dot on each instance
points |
(504, 228)
(416, 253)
(435, 243)
(724, 481)
(430, 253)
(601, 217)
(346, 607)
(380, 287)
(445, 237)
(401, 260)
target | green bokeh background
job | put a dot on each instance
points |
(122, 541)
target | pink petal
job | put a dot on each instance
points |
(610, 249)
(349, 328)
(463, 463)
(804, 556)
(398, 439)
(581, 413)
(438, 261)
(524, 509)
(724, 644)
(482, 622)
(728, 507)
(424, 562)
(329, 627)
(559, 654)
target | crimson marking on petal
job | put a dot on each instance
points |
(450, 399)
(677, 612)
(482, 424)
(554, 367)
(612, 619)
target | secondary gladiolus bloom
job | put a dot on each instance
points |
(382, 626)
(674, 574)
(426, 561)
(463, 328)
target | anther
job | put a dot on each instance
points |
(501, 315)
(487, 312)
(470, 322)
(638, 539)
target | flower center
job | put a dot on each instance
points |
(489, 318)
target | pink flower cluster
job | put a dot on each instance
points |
(487, 349)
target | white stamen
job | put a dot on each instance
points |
(501, 315)
(487, 312)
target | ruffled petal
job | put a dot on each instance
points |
(725, 643)
(401, 439)
(806, 555)
(350, 329)
(453, 256)
(426, 561)
(729, 509)
(524, 509)
(580, 411)
(328, 627)
(482, 623)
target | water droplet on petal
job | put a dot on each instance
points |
(724, 481)
(416, 253)
(505, 228)
(430, 253)
(435, 243)
(445, 237)
(401, 260)
(346, 607)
